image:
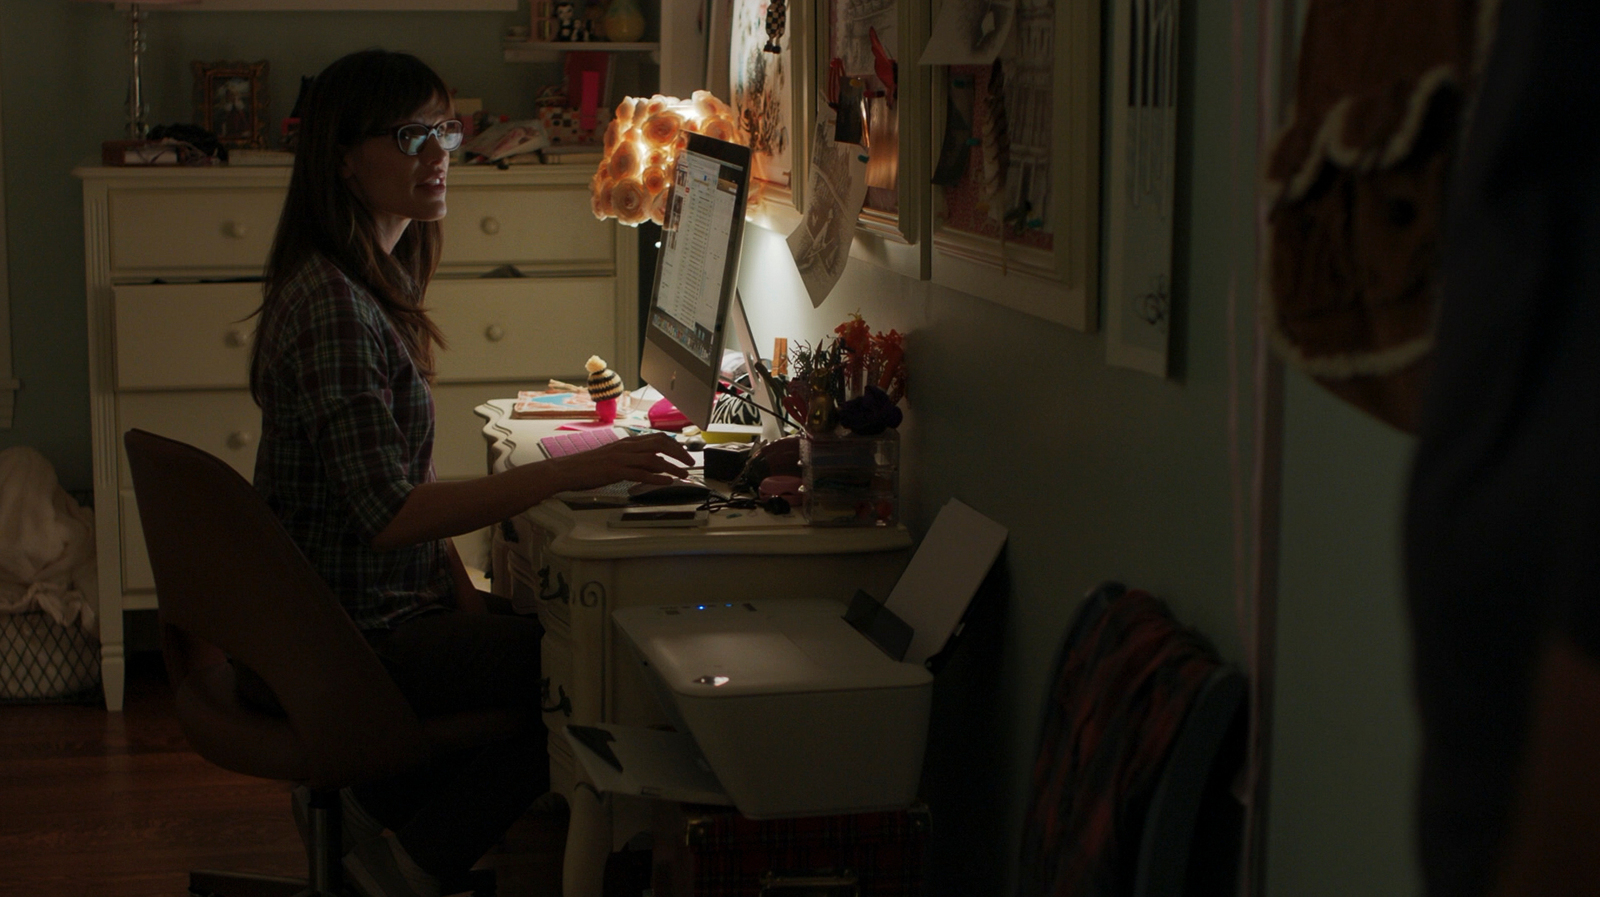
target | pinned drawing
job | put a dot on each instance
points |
(969, 32)
(760, 84)
(1144, 114)
(836, 189)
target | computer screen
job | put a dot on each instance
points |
(696, 272)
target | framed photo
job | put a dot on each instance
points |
(1016, 138)
(230, 101)
(769, 86)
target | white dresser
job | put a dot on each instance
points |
(172, 262)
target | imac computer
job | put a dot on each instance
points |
(696, 272)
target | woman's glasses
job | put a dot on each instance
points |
(411, 136)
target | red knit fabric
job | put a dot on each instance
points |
(1120, 695)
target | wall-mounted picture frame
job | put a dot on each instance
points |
(1141, 175)
(1015, 191)
(876, 43)
(771, 85)
(230, 101)
(353, 5)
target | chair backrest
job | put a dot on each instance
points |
(230, 581)
(1138, 748)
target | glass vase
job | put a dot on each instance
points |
(624, 21)
(851, 480)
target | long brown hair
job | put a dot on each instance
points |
(353, 97)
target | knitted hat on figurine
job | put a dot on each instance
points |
(603, 381)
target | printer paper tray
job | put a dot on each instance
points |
(665, 765)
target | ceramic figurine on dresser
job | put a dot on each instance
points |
(571, 25)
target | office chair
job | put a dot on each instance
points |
(233, 584)
(1144, 732)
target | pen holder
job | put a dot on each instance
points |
(851, 480)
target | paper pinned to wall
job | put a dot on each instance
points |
(837, 189)
(969, 32)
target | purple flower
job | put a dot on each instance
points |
(870, 413)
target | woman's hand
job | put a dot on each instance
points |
(436, 510)
(653, 458)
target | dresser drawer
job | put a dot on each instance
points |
(184, 336)
(525, 226)
(523, 328)
(193, 230)
(224, 422)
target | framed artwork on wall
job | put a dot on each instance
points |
(342, 5)
(1140, 182)
(871, 46)
(1015, 132)
(769, 73)
(230, 101)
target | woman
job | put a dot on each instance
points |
(341, 367)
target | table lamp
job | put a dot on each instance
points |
(641, 148)
(138, 128)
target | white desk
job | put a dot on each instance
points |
(573, 570)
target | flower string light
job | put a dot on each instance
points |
(641, 147)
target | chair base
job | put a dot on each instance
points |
(212, 883)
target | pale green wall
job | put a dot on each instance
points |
(1346, 736)
(1098, 472)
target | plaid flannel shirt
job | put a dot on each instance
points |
(346, 433)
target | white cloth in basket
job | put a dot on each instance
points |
(47, 559)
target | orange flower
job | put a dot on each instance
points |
(720, 128)
(658, 206)
(662, 128)
(653, 180)
(706, 105)
(600, 197)
(625, 111)
(624, 160)
(659, 104)
(629, 201)
(613, 134)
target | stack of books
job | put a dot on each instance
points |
(553, 405)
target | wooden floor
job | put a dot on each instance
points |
(98, 804)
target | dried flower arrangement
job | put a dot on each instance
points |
(852, 380)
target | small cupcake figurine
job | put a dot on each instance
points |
(604, 388)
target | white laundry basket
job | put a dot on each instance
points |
(42, 660)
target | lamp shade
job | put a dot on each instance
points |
(641, 149)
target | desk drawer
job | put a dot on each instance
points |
(528, 328)
(526, 226)
(185, 336)
(555, 682)
(225, 229)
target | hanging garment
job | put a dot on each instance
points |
(1355, 186)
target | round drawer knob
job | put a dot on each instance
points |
(235, 229)
(494, 333)
(236, 338)
(239, 439)
(490, 226)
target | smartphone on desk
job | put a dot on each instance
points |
(640, 517)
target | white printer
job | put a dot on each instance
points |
(795, 707)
